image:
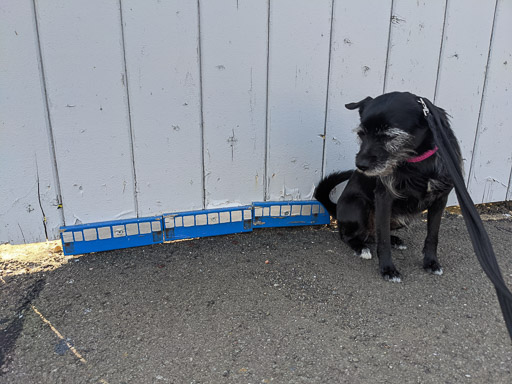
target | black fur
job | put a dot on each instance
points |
(385, 191)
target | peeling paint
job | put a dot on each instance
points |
(223, 203)
(232, 140)
(127, 214)
(289, 193)
(397, 20)
(492, 185)
(309, 195)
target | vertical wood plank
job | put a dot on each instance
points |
(162, 60)
(298, 68)
(492, 160)
(358, 62)
(468, 27)
(415, 41)
(234, 74)
(27, 186)
(84, 66)
(509, 190)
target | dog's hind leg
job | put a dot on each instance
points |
(350, 234)
(435, 212)
(397, 242)
(360, 248)
(353, 215)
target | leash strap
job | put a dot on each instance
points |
(479, 237)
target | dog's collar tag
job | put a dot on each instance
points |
(426, 155)
(425, 108)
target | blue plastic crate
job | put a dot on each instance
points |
(289, 213)
(210, 222)
(109, 235)
(105, 236)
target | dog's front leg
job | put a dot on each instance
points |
(435, 212)
(383, 205)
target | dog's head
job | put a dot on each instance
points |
(393, 129)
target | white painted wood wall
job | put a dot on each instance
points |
(114, 109)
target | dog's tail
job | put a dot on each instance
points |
(326, 185)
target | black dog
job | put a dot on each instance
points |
(399, 174)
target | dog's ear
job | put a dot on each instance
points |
(360, 104)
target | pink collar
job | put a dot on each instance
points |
(426, 155)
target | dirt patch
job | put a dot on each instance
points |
(31, 258)
(490, 211)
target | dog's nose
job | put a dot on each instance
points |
(362, 167)
(362, 164)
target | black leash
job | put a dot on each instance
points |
(479, 237)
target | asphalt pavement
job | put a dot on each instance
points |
(290, 305)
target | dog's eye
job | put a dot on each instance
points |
(361, 133)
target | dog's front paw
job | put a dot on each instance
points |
(432, 266)
(391, 274)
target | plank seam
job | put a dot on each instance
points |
(508, 196)
(267, 115)
(201, 102)
(128, 106)
(441, 48)
(49, 125)
(327, 89)
(482, 102)
(384, 85)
